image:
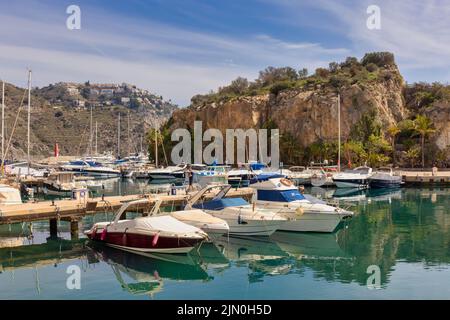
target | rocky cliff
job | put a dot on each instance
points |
(305, 108)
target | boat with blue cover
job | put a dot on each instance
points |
(90, 168)
(302, 214)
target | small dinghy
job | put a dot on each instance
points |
(143, 234)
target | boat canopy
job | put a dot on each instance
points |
(220, 204)
(280, 195)
(257, 166)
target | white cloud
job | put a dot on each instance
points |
(167, 60)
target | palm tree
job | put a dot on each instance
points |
(423, 127)
(393, 131)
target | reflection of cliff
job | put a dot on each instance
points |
(50, 253)
(412, 227)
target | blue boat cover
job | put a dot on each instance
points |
(257, 166)
(280, 195)
(221, 203)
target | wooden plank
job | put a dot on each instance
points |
(70, 209)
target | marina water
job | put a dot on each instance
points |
(397, 246)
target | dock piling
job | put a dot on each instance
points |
(53, 227)
(74, 229)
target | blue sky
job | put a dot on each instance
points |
(182, 48)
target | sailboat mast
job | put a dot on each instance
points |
(339, 130)
(128, 133)
(29, 118)
(118, 137)
(96, 137)
(156, 147)
(3, 124)
(90, 136)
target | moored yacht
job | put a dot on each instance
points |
(281, 196)
(242, 217)
(353, 178)
(91, 168)
(385, 178)
(168, 173)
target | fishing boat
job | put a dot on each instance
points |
(90, 168)
(242, 217)
(168, 173)
(385, 178)
(353, 178)
(281, 196)
(145, 234)
(62, 183)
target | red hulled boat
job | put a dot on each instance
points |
(163, 234)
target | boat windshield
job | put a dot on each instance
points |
(280, 195)
(94, 164)
(221, 204)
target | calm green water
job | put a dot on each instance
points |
(405, 233)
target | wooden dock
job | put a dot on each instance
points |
(441, 178)
(74, 210)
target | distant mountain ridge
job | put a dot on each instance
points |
(60, 113)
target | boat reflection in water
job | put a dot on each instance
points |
(150, 271)
(262, 256)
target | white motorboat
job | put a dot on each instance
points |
(168, 173)
(204, 175)
(280, 195)
(242, 217)
(353, 178)
(385, 178)
(91, 168)
(62, 184)
(144, 234)
(213, 226)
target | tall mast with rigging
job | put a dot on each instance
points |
(339, 130)
(3, 125)
(118, 137)
(29, 118)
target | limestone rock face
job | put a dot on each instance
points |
(308, 114)
(439, 113)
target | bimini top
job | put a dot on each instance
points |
(220, 204)
(280, 195)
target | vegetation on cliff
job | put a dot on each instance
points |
(384, 120)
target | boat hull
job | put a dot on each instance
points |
(381, 183)
(247, 227)
(166, 176)
(314, 222)
(134, 242)
(351, 183)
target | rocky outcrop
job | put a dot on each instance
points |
(309, 114)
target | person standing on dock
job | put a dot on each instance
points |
(190, 176)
